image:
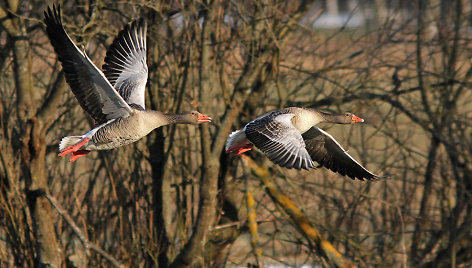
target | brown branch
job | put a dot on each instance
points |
(47, 111)
(252, 224)
(209, 184)
(324, 247)
(419, 62)
(87, 244)
(254, 67)
(370, 96)
(8, 24)
(32, 143)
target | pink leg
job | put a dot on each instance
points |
(74, 148)
(78, 154)
(243, 149)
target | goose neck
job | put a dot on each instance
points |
(333, 118)
(173, 118)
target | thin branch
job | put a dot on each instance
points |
(324, 247)
(252, 224)
(87, 244)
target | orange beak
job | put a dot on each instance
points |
(203, 118)
(356, 119)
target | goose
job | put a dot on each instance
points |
(114, 98)
(290, 138)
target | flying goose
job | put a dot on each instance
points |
(289, 138)
(114, 98)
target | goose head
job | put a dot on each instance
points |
(194, 117)
(350, 118)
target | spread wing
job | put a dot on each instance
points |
(91, 88)
(125, 63)
(325, 150)
(279, 140)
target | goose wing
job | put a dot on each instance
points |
(91, 88)
(275, 135)
(325, 150)
(125, 63)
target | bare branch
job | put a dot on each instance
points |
(87, 244)
(324, 247)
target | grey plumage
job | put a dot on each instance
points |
(288, 152)
(289, 138)
(93, 91)
(114, 99)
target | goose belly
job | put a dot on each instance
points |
(118, 133)
(112, 144)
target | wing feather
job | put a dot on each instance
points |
(279, 140)
(91, 88)
(325, 150)
(125, 63)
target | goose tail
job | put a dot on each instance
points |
(68, 141)
(238, 142)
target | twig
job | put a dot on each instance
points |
(324, 247)
(237, 224)
(87, 244)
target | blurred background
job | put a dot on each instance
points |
(175, 198)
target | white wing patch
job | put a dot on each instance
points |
(125, 64)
